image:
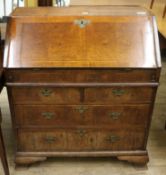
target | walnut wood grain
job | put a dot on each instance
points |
(136, 157)
(28, 160)
(83, 153)
(115, 116)
(142, 160)
(45, 140)
(82, 47)
(76, 10)
(81, 75)
(93, 95)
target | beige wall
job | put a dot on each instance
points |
(110, 2)
(30, 3)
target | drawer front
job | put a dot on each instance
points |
(53, 115)
(71, 115)
(93, 95)
(121, 140)
(82, 76)
(119, 95)
(42, 95)
(56, 140)
(41, 140)
(118, 117)
(80, 140)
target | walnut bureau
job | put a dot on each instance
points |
(81, 81)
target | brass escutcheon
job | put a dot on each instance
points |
(82, 22)
(118, 92)
(46, 92)
(114, 115)
(81, 132)
(48, 115)
(81, 109)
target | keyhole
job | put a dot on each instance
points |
(91, 140)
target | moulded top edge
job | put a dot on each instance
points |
(82, 10)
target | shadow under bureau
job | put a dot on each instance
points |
(81, 81)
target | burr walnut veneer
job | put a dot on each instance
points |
(81, 81)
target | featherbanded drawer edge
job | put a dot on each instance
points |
(119, 116)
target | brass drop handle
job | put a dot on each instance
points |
(114, 115)
(112, 139)
(118, 92)
(81, 132)
(50, 139)
(82, 22)
(81, 109)
(46, 92)
(48, 115)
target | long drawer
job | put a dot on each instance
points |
(80, 140)
(89, 115)
(88, 95)
(82, 75)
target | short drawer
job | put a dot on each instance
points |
(119, 95)
(45, 95)
(81, 75)
(80, 139)
(76, 95)
(89, 115)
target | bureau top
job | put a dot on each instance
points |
(82, 10)
(86, 36)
